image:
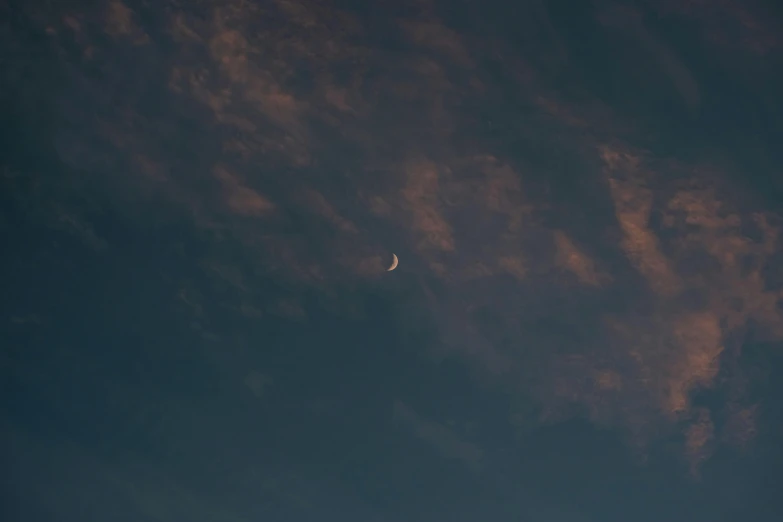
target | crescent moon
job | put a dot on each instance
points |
(395, 261)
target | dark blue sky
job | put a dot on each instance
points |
(199, 201)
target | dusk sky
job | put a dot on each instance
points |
(199, 201)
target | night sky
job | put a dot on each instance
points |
(199, 201)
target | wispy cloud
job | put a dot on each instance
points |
(443, 438)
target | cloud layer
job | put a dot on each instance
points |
(561, 247)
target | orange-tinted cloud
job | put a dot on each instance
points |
(277, 103)
(736, 284)
(120, 22)
(241, 199)
(513, 265)
(633, 206)
(570, 257)
(421, 194)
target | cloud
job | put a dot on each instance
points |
(440, 38)
(421, 195)
(579, 267)
(737, 286)
(123, 484)
(318, 204)
(570, 257)
(633, 206)
(257, 383)
(698, 439)
(120, 22)
(729, 23)
(444, 439)
(631, 23)
(241, 199)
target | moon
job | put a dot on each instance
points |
(394, 263)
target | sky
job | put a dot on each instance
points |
(199, 202)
